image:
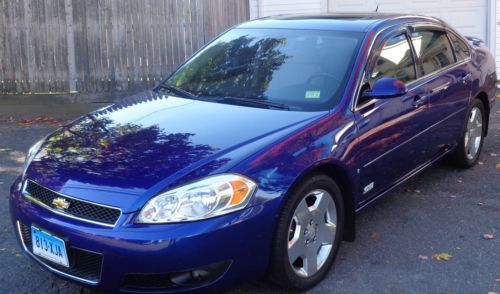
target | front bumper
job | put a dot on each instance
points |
(242, 240)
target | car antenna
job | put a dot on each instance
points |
(376, 9)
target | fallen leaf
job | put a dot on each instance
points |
(39, 120)
(480, 162)
(488, 237)
(423, 257)
(374, 234)
(441, 256)
(498, 165)
(18, 255)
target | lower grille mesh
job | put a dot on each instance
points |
(83, 264)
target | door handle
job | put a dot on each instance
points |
(465, 78)
(443, 87)
(418, 100)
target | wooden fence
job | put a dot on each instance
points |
(49, 46)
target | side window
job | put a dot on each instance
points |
(395, 60)
(433, 49)
(461, 48)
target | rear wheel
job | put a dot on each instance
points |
(471, 143)
(308, 235)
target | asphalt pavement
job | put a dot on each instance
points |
(444, 210)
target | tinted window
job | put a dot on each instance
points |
(461, 48)
(433, 49)
(395, 60)
(304, 69)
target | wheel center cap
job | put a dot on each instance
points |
(310, 231)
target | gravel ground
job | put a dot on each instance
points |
(444, 210)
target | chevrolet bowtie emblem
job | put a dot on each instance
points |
(60, 203)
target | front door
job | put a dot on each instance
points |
(392, 133)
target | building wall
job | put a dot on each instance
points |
(497, 37)
(261, 8)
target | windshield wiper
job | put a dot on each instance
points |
(230, 99)
(248, 101)
(178, 91)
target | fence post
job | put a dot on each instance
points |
(68, 9)
(28, 19)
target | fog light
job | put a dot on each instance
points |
(176, 280)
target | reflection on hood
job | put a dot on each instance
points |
(147, 138)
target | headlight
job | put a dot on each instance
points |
(31, 154)
(207, 198)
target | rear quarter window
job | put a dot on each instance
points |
(460, 47)
(433, 50)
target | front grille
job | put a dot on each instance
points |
(81, 209)
(83, 264)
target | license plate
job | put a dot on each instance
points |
(49, 247)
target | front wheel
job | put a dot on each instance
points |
(471, 143)
(308, 235)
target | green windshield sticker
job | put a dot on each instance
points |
(313, 94)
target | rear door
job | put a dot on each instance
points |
(447, 59)
(450, 108)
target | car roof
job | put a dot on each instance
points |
(354, 22)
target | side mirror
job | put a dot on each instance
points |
(386, 88)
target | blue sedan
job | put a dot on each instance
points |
(254, 156)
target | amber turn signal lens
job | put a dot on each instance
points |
(240, 190)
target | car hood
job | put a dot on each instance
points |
(119, 153)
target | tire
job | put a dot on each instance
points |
(306, 222)
(469, 148)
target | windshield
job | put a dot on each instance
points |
(304, 70)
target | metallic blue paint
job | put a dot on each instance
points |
(386, 88)
(126, 153)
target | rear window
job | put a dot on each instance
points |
(461, 48)
(433, 49)
(304, 69)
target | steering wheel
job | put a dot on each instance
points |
(322, 75)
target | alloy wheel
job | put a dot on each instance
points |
(474, 133)
(312, 232)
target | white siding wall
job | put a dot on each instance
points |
(497, 26)
(254, 8)
(261, 8)
(467, 16)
